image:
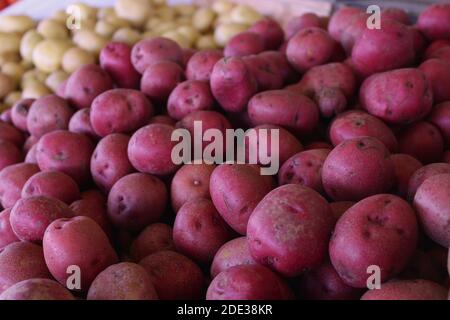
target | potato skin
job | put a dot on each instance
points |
(11, 134)
(81, 123)
(357, 168)
(306, 20)
(423, 173)
(120, 111)
(201, 64)
(233, 253)
(404, 168)
(432, 205)
(438, 73)
(379, 230)
(270, 31)
(77, 241)
(434, 21)
(12, 180)
(67, 152)
(10, 154)
(440, 117)
(174, 276)
(20, 261)
(37, 289)
(273, 235)
(400, 97)
(19, 113)
(154, 238)
(267, 74)
(122, 281)
(7, 235)
(408, 290)
(340, 21)
(244, 44)
(235, 190)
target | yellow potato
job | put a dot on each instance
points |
(16, 24)
(29, 41)
(127, 35)
(178, 38)
(104, 12)
(55, 79)
(90, 41)
(189, 32)
(7, 85)
(206, 42)
(88, 24)
(113, 19)
(222, 6)
(12, 98)
(135, 11)
(60, 16)
(159, 2)
(203, 19)
(48, 54)
(14, 70)
(165, 27)
(9, 42)
(52, 29)
(87, 12)
(9, 57)
(105, 29)
(152, 23)
(35, 90)
(165, 13)
(149, 34)
(76, 57)
(225, 32)
(31, 76)
(184, 21)
(245, 14)
(184, 9)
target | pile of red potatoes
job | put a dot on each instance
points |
(95, 208)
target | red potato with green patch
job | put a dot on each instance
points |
(21, 261)
(267, 74)
(298, 23)
(174, 276)
(201, 64)
(81, 123)
(273, 229)
(11, 134)
(235, 190)
(10, 154)
(7, 235)
(37, 289)
(357, 168)
(67, 152)
(438, 73)
(434, 21)
(12, 180)
(109, 161)
(270, 31)
(19, 113)
(122, 281)
(154, 238)
(244, 44)
(404, 168)
(432, 205)
(408, 290)
(424, 173)
(440, 117)
(85, 84)
(77, 241)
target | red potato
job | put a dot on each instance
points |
(293, 111)
(232, 84)
(423, 141)
(340, 21)
(279, 65)
(81, 123)
(189, 96)
(267, 74)
(31, 155)
(408, 290)
(122, 281)
(37, 289)
(61, 90)
(85, 84)
(5, 116)
(353, 31)
(354, 124)
(379, 50)
(9, 155)
(404, 168)
(440, 117)
(338, 208)
(236, 189)
(247, 282)
(310, 47)
(29, 143)
(187, 55)
(420, 175)
(380, 230)
(11, 134)
(120, 111)
(400, 96)
(109, 161)
(47, 114)
(149, 51)
(244, 44)
(442, 54)
(136, 200)
(174, 276)
(7, 235)
(115, 59)
(273, 229)
(154, 238)
(67, 152)
(438, 73)
(12, 180)
(270, 31)
(160, 78)
(201, 64)
(31, 216)
(324, 283)
(397, 14)
(190, 182)
(420, 44)
(150, 150)
(19, 113)
(434, 21)
(233, 253)
(52, 184)
(304, 168)
(436, 46)
(21, 261)
(77, 241)
(432, 205)
(162, 119)
(298, 23)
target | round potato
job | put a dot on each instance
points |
(48, 54)
(16, 23)
(52, 29)
(75, 57)
(29, 41)
(12, 180)
(10, 154)
(37, 289)
(7, 234)
(408, 290)
(154, 238)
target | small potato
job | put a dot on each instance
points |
(10, 154)
(206, 42)
(52, 184)
(7, 235)
(189, 32)
(35, 90)
(19, 23)
(37, 289)
(203, 19)
(279, 65)
(135, 11)
(165, 26)
(434, 22)
(7, 85)
(408, 290)
(11, 134)
(33, 76)
(201, 64)
(52, 29)
(67, 152)
(48, 54)
(55, 79)
(423, 174)
(404, 167)
(14, 70)
(184, 9)
(177, 37)
(113, 19)
(178, 278)
(224, 32)
(75, 58)
(12, 180)
(92, 253)
(30, 216)
(90, 41)
(160, 78)
(154, 238)
(306, 20)
(105, 29)
(245, 14)
(122, 281)
(266, 71)
(60, 16)
(10, 43)
(127, 35)
(136, 200)
(87, 12)
(222, 6)
(244, 44)
(47, 114)
(31, 155)
(270, 31)
(165, 13)
(438, 74)
(109, 162)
